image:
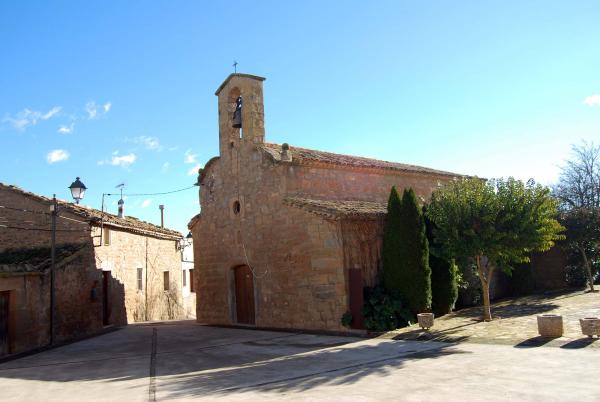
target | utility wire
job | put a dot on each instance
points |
(146, 194)
(43, 230)
(42, 213)
(26, 210)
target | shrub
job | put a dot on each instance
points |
(391, 243)
(414, 274)
(444, 285)
(346, 319)
(444, 276)
(384, 311)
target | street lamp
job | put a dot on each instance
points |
(77, 190)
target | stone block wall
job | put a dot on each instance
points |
(126, 253)
(29, 325)
(38, 223)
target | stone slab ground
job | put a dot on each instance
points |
(514, 322)
(184, 360)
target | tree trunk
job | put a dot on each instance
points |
(485, 287)
(588, 269)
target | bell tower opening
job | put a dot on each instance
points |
(241, 111)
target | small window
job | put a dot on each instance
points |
(192, 280)
(184, 277)
(106, 236)
(166, 280)
(140, 278)
(237, 207)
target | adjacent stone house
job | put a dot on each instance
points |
(288, 237)
(109, 270)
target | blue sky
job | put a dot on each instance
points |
(124, 91)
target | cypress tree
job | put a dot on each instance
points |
(391, 243)
(415, 274)
(444, 276)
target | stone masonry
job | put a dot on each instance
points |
(299, 218)
(107, 249)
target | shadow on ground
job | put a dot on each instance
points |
(509, 310)
(194, 360)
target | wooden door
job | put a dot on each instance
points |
(105, 304)
(244, 295)
(4, 309)
(356, 286)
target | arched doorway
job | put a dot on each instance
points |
(244, 295)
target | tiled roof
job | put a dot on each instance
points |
(28, 260)
(337, 209)
(303, 155)
(128, 223)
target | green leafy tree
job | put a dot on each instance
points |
(415, 274)
(391, 243)
(583, 236)
(497, 224)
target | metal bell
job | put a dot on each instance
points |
(237, 114)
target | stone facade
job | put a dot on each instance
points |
(299, 218)
(116, 276)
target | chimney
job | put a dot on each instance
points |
(121, 204)
(162, 215)
(286, 155)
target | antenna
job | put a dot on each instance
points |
(235, 64)
(120, 187)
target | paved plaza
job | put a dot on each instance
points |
(515, 322)
(185, 360)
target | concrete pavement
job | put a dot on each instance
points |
(180, 361)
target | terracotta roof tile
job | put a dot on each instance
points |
(339, 208)
(303, 155)
(128, 223)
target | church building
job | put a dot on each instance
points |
(288, 237)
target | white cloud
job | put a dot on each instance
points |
(28, 117)
(151, 143)
(166, 166)
(64, 129)
(146, 203)
(193, 171)
(119, 160)
(123, 160)
(94, 111)
(189, 157)
(592, 100)
(57, 155)
(91, 109)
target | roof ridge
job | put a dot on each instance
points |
(93, 214)
(312, 155)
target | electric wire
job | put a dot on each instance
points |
(147, 194)
(43, 230)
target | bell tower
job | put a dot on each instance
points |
(241, 111)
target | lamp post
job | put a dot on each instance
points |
(77, 192)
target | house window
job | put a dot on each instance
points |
(106, 236)
(140, 280)
(184, 278)
(166, 280)
(192, 280)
